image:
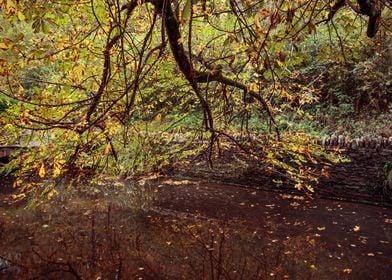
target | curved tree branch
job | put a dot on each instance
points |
(195, 77)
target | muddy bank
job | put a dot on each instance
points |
(360, 178)
(364, 176)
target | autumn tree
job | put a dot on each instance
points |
(98, 82)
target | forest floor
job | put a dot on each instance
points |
(167, 228)
(354, 126)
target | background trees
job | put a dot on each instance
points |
(99, 81)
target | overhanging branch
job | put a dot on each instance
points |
(184, 62)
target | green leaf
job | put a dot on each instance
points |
(21, 16)
(186, 12)
(45, 27)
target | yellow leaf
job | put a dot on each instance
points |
(21, 16)
(257, 23)
(312, 242)
(57, 169)
(42, 171)
(18, 196)
(4, 46)
(17, 183)
(108, 148)
(51, 194)
(11, 7)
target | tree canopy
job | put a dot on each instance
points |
(96, 80)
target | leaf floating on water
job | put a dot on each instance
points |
(363, 239)
(312, 242)
(356, 228)
(87, 213)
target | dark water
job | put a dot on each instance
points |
(288, 236)
(352, 241)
